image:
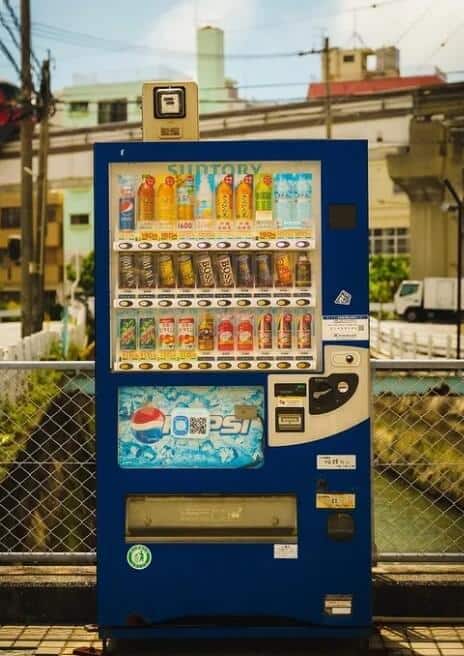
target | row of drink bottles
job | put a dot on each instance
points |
(205, 270)
(283, 198)
(142, 334)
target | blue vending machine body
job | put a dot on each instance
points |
(234, 497)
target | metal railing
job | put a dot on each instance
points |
(47, 460)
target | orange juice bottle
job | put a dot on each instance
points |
(224, 198)
(166, 199)
(146, 197)
(244, 197)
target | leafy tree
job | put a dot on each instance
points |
(87, 279)
(386, 272)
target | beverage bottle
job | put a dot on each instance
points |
(303, 199)
(166, 199)
(203, 197)
(184, 192)
(146, 198)
(282, 200)
(263, 193)
(303, 331)
(284, 331)
(206, 332)
(245, 333)
(126, 202)
(265, 331)
(303, 270)
(186, 332)
(226, 335)
(224, 200)
(244, 198)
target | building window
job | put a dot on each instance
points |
(79, 107)
(389, 241)
(113, 111)
(348, 59)
(10, 217)
(79, 219)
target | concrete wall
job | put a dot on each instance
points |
(78, 239)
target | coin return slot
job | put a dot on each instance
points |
(208, 518)
(290, 420)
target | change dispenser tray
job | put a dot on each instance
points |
(211, 518)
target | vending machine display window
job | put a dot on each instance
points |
(215, 266)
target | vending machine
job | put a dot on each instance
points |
(232, 378)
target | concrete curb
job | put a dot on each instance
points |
(67, 595)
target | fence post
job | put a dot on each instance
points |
(391, 343)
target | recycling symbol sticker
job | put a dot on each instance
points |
(139, 556)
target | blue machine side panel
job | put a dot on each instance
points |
(239, 579)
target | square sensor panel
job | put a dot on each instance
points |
(169, 102)
(342, 217)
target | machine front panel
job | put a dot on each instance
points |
(232, 389)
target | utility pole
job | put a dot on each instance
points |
(459, 209)
(328, 108)
(27, 128)
(40, 230)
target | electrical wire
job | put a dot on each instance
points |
(49, 32)
(10, 57)
(17, 26)
(348, 10)
(414, 23)
(444, 43)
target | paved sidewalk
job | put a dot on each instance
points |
(391, 639)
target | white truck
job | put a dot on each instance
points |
(428, 299)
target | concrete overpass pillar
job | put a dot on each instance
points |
(432, 155)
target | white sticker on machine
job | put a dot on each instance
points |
(335, 500)
(353, 328)
(338, 604)
(286, 551)
(336, 462)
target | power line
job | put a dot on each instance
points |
(10, 58)
(415, 22)
(17, 26)
(444, 43)
(348, 10)
(49, 32)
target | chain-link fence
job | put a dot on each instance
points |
(47, 460)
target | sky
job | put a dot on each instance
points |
(146, 39)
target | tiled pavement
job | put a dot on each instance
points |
(391, 639)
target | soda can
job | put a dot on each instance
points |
(244, 272)
(166, 333)
(127, 271)
(126, 202)
(147, 334)
(303, 331)
(265, 331)
(264, 270)
(206, 333)
(185, 270)
(225, 273)
(284, 270)
(127, 334)
(166, 272)
(284, 331)
(146, 268)
(205, 270)
(226, 335)
(186, 332)
(245, 334)
(303, 271)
